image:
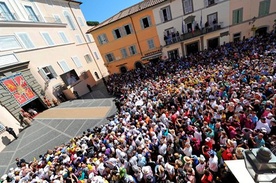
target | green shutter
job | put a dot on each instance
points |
(234, 18)
(240, 15)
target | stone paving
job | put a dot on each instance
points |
(53, 127)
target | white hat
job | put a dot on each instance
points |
(208, 139)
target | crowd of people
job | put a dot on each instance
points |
(177, 121)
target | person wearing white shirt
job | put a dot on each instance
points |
(263, 124)
(213, 162)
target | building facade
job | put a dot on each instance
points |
(44, 52)
(129, 38)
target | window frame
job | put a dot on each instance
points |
(80, 21)
(78, 38)
(96, 55)
(102, 39)
(211, 14)
(148, 21)
(46, 75)
(124, 52)
(31, 13)
(168, 12)
(151, 44)
(265, 10)
(66, 40)
(69, 20)
(86, 56)
(237, 18)
(111, 56)
(131, 50)
(49, 42)
(30, 43)
(237, 35)
(117, 30)
(57, 18)
(190, 9)
(88, 38)
(130, 29)
(10, 48)
(64, 69)
(9, 15)
(76, 61)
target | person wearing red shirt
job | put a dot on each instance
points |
(207, 177)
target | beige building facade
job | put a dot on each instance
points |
(44, 52)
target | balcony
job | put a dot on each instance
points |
(151, 54)
(193, 34)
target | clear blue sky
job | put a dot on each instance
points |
(100, 10)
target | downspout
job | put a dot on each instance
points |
(87, 44)
(136, 36)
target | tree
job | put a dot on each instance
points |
(92, 23)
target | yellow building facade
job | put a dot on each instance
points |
(129, 39)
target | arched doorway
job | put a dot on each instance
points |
(261, 31)
(123, 69)
(138, 65)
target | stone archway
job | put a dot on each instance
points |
(123, 69)
(138, 65)
(261, 31)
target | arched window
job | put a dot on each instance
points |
(96, 74)
(69, 20)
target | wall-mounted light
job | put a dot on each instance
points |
(252, 21)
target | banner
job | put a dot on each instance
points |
(19, 89)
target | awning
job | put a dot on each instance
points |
(151, 56)
(189, 19)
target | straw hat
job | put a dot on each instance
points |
(187, 159)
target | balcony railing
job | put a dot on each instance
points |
(193, 34)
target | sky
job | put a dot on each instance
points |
(100, 10)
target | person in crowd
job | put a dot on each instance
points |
(221, 100)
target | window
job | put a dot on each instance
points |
(145, 22)
(96, 55)
(63, 37)
(151, 44)
(124, 53)
(2, 128)
(47, 38)
(165, 14)
(57, 19)
(97, 75)
(88, 58)
(132, 50)
(128, 29)
(212, 19)
(88, 37)
(77, 62)
(102, 39)
(237, 37)
(79, 41)
(109, 57)
(69, 20)
(5, 12)
(237, 16)
(80, 21)
(209, 2)
(47, 72)
(188, 6)
(9, 43)
(31, 14)
(26, 40)
(264, 8)
(117, 33)
(63, 65)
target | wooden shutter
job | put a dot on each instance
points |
(234, 17)
(52, 71)
(161, 16)
(43, 74)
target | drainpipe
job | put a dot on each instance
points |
(87, 44)
(136, 36)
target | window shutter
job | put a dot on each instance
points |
(122, 31)
(161, 16)
(105, 38)
(149, 20)
(114, 34)
(168, 9)
(267, 7)
(141, 23)
(240, 15)
(234, 17)
(52, 71)
(130, 28)
(43, 74)
(205, 3)
(99, 39)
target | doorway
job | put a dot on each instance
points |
(138, 65)
(36, 104)
(192, 48)
(173, 54)
(123, 69)
(213, 43)
(261, 31)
